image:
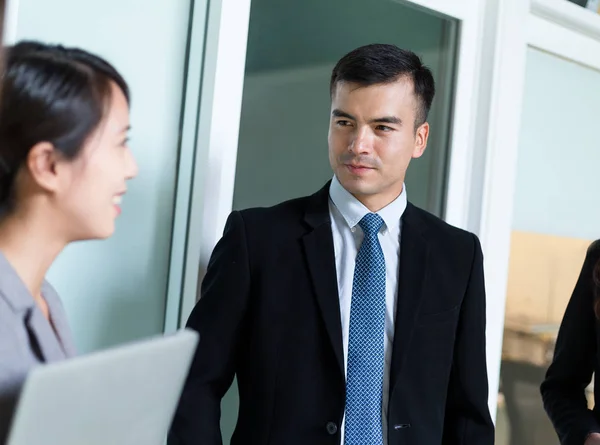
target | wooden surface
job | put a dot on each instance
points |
(543, 271)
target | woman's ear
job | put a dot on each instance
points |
(42, 165)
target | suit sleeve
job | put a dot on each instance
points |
(563, 390)
(218, 317)
(468, 420)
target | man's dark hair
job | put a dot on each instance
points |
(379, 64)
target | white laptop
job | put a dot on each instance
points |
(121, 396)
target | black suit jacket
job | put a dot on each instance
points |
(269, 314)
(576, 357)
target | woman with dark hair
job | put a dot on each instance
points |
(576, 358)
(64, 165)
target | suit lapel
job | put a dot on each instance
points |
(44, 339)
(320, 256)
(414, 253)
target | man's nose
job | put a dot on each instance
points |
(362, 141)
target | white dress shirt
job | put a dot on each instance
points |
(346, 212)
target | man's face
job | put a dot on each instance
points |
(372, 139)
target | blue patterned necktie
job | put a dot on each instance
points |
(364, 381)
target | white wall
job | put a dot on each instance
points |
(115, 290)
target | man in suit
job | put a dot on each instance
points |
(350, 316)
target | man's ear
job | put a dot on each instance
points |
(421, 137)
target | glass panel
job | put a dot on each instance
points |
(285, 111)
(114, 291)
(555, 220)
(292, 48)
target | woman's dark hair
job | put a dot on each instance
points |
(381, 63)
(50, 93)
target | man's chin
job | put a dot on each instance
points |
(358, 186)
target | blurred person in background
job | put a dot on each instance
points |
(64, 167)
(576, 359)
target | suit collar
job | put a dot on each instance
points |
(317, 208)
(413, 217)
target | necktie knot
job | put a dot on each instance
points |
(371, 224)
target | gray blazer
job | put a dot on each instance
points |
(27, 339)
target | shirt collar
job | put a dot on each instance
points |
(353, 210)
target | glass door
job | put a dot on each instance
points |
(555, 219)
(285, 105)
(303, 41)
(265, 105)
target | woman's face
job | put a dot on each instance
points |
(92, 186)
